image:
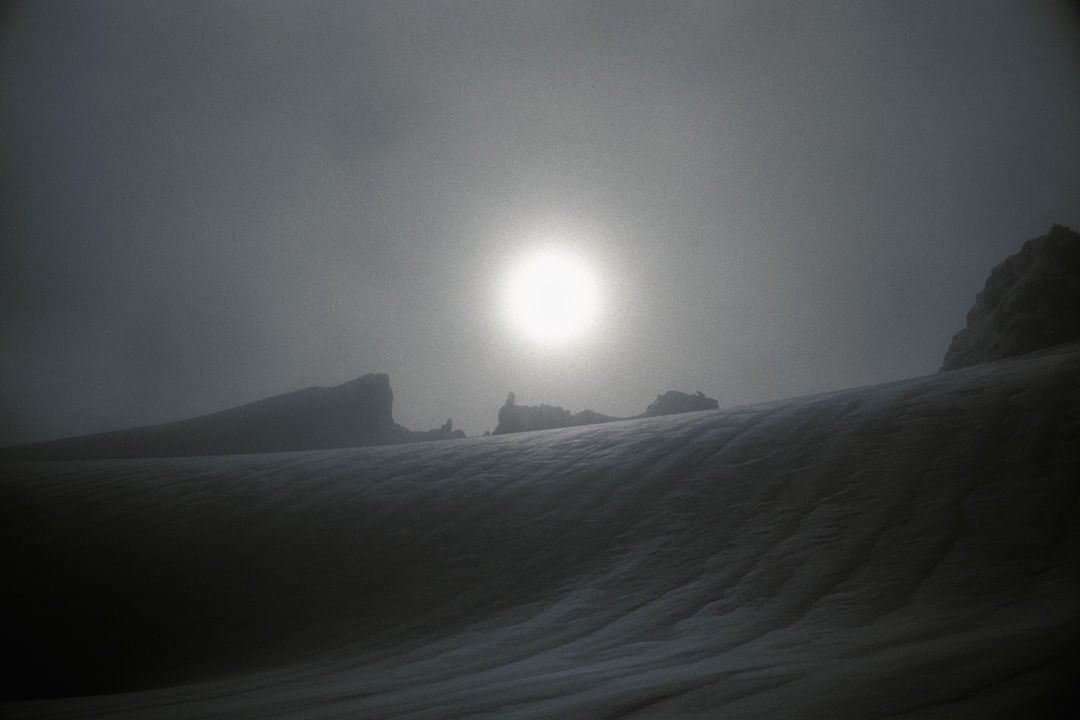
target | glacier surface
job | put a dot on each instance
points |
(908, 550)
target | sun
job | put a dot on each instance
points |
(551, 296)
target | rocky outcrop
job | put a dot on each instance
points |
(673, 402)
(358, 412)
(446, 432)
(1031, 301)
(520, 418)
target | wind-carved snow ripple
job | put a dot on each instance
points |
(902, 550)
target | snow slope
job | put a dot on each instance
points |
(906, 551)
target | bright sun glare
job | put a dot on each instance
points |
(552, 296)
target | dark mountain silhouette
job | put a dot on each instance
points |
(521, 418)
(1031, 301)
(674, 402)
(358, 412)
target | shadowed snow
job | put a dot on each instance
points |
(905, 550)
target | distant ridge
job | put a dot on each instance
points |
(521, 418)
(358, 412)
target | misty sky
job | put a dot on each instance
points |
(207, 203)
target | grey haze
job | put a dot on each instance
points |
(203, 204)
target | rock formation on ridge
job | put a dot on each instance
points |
(1031, 301)
(445, 432)
(358, 412)
(520, 418)
(673, 402)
